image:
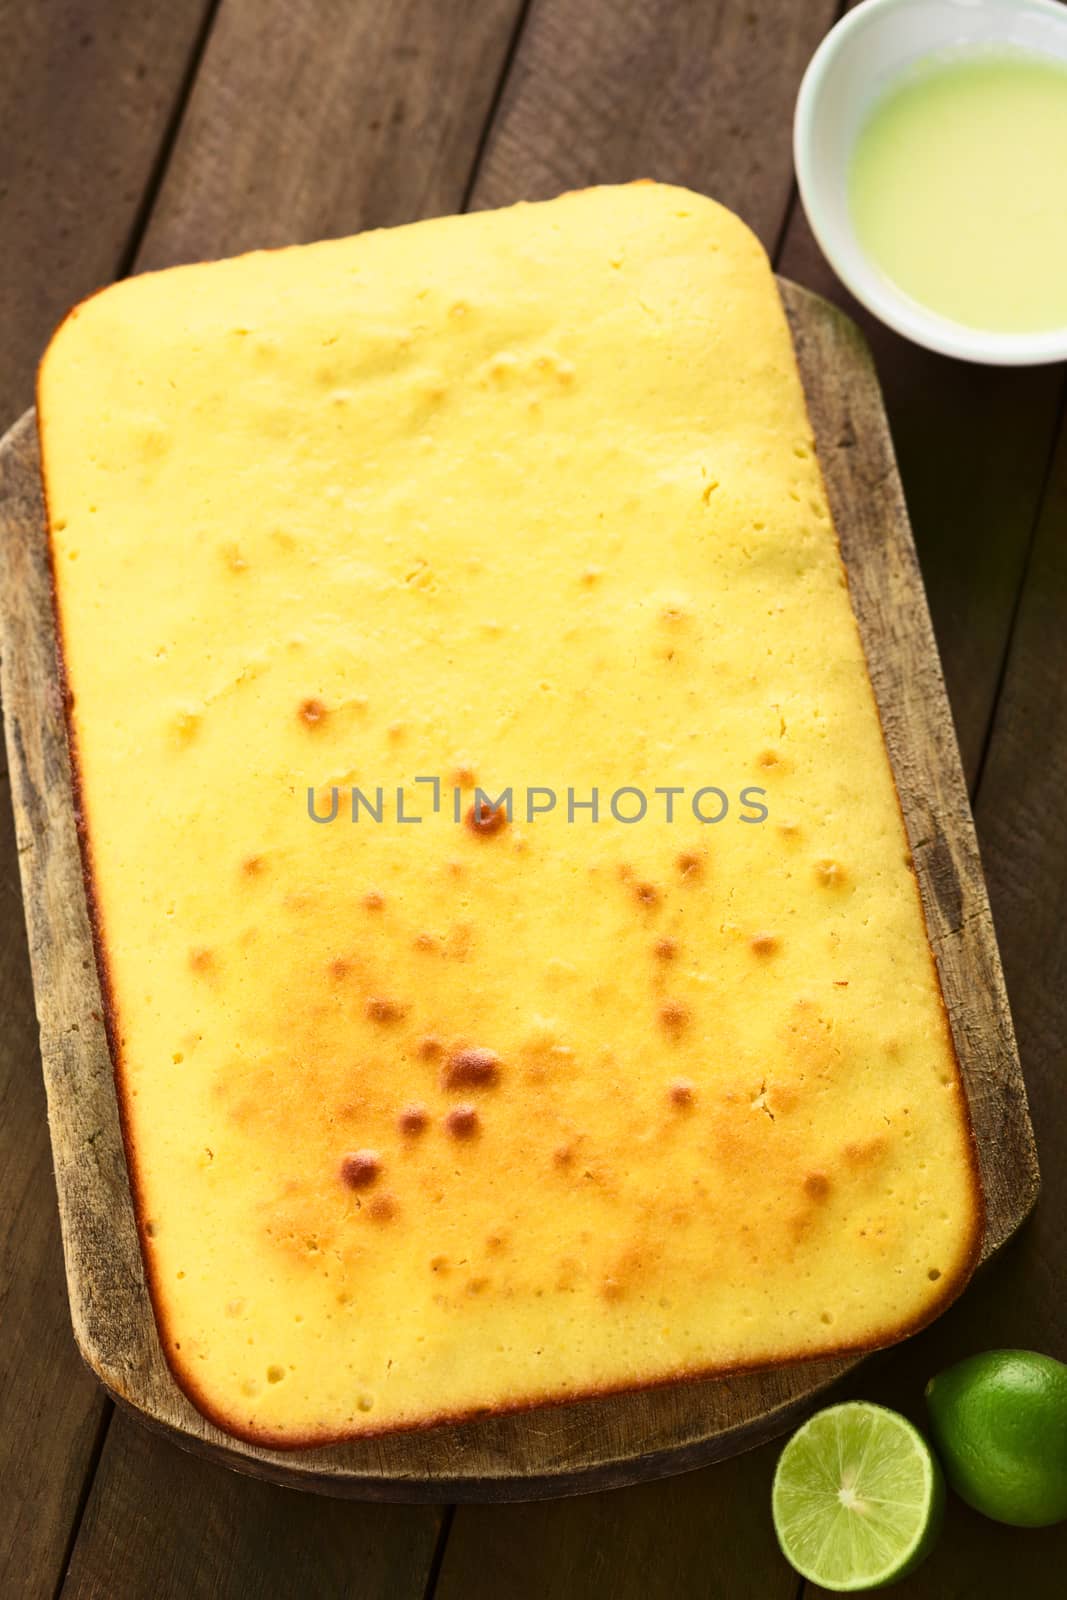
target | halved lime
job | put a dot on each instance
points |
(857, 1497)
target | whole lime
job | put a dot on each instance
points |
(999, 1422)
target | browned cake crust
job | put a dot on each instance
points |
(476, 1073)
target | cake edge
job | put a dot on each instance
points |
(266, 1438)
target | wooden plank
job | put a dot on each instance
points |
(973, 444)
(628, 1437)
(160, 1522)
(52, 1409)
(306, 120)
(86, 95)
(344, 227)
(707, 1536)
(90, 91)
(695, 92)
(1018, 1300)
(618, 92)
(317, 118)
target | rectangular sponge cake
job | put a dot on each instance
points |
(433, 1118)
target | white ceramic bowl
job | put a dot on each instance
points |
(852, 68)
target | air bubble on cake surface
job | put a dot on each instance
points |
(484, 820)
(185, 725)
(471, 1067)
(385, 1009)
(675, 609)
(413, 1120)
(233, 558)
(674, 1016)
(464, 773)
(504, 364)
(462, 1122)
(312, 713)
(361, 1168)
(831, 874)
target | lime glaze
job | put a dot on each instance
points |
(958, 189)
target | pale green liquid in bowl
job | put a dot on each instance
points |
(958, 190)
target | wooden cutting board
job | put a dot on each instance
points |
(553, 1450)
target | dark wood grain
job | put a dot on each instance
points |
(706, 1536)
(885, 586)
(86, 95)
(160, 1522)
(87, 90)
(973, 444)
(631, 91)
(597, 92)
(314, 118)
(692, 94)
(612, 1441)
(51, 1407)
(1018, 1302)
(697, 92)
(307, 120)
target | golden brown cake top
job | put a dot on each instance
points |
(433, 1117)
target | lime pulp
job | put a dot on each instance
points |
(857, 1497)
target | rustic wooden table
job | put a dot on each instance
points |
(137, 134)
